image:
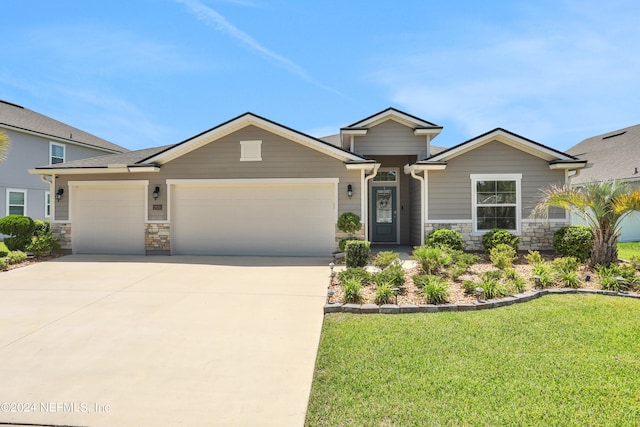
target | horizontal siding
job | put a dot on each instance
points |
(390, 138)
(220, 159)
(450, 189)
(416, 211)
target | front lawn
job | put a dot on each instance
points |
(628, 249)
(568, 360)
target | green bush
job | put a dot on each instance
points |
(352, 291)
(451, 239)
(502, 256)
(461, 261)
(432, 259)
(515, 282)
(16, 257)
(3, 264)
(44, 244)
(384, 294)
(41, 228)
(542, 276)
(393, 275)
(349, 222)
(354, 273)
(357, 253)
(3, 254)
(635, 262)
(19, 228)
(491, 285)
(435, 289)
(385, 259)
(565, 271)
(495, 236)
(534, 258)
(342, 243)
(609, 277)
(574, 241)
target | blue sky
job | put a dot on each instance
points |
(144, 73)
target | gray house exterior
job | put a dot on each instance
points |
(38, 140)
(613, 155)
(251, 186)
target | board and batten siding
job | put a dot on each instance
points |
(390, 138)
(220, 159)
(450, 189)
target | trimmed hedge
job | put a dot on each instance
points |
(496, 236)
(357, 253)
(574, 241)
(446, 237)
(19, 228)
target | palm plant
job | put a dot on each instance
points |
(603, 205)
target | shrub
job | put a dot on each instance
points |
(496, 236)
(3, 264)
(43, 245)
(565, 270)
(542, 275)
(41, 227)
(534, 258)
(393, 275)
(3, 254)
(451, 239)
(635, 262)
(349, 222)
(385, 259)
(514, 280)
(16, 257)
(502, 256)
(384, 294)
(490, 283)
(352, 291)
(610, 277)
(434, 288)
(570, 279)
(343, 242)
(574, 241)
(469, 286)
(357, 253)
(432, 259)
(19, 228)
(354, 273)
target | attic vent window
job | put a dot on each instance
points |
(614, 135)
(250, 151)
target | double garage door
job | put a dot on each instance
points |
(260, 217)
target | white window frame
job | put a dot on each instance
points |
(47, 204)
(251, 151)
(517, 177)
(17, 190)
(64, 152)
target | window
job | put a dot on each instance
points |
(386, 176)
(16, 202)
(250, 151)
(56, 153)
(47, 204)
(496, 202)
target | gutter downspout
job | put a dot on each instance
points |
(422, 193)
(365, 198)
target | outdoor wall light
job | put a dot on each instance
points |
(350, 190)
(59, 193)
(156, 192)
(479, 292)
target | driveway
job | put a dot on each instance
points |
(150, 341)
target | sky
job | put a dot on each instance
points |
(145, 73)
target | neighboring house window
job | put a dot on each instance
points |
(496, 201)
(16, 202)
(386, 176)
(47, 204)
(250, 151)
(56, 153)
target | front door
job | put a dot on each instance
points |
(384, 214)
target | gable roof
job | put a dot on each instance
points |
(250, 119)
(395, 114)
(128, 159)
(18, 118)
(611, 155)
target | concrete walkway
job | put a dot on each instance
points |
(150, 341)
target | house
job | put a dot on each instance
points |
(251, 186)
(36, 140)
(613, 155)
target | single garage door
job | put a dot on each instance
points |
(107, 218)
(257, 218)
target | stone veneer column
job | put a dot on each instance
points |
(157, 238)
(63, 232)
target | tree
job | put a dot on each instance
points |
(603, 206)
(4, 146)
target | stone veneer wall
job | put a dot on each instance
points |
(63, 232)
(157, 237)
(340, 235)
(534, 235)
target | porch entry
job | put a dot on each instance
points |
(384, 214)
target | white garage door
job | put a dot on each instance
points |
(108, 219)
(260, 218)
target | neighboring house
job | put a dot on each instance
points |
(38, 140)
(612, 156)
(251, 186)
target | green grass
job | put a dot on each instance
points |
(628, 249)
(569, 360)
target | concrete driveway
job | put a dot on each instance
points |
(150, 341)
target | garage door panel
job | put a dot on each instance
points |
(253, 220)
